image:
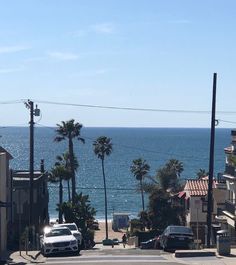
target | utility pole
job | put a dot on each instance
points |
(211, 162)
(33, 112)
(31, 166)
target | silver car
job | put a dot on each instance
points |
(57, 240)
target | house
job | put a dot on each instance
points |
(20, 198)
(5, 188)
(194, 198)
(228, 218)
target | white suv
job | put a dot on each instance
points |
(74, 229)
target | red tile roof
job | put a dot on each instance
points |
(197, 187)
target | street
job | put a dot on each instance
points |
(114, 257)
(111, 259)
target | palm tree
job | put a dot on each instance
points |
(70, 130)
(175, 166)
(169, 175)
(103, 147)
(202, 173)
(140, 169)
(65, 161)
(57, 174)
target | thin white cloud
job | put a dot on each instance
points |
(12, 49)
(63, 56)
(10, 70)
(104, 28)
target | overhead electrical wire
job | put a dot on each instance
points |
(134, 148)
(117, 107)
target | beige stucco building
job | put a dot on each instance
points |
(5, 193)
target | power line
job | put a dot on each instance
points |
(119, 108)
(95, 188)
(10, 102)
(232, 122)
(130, 108)
(136, 148)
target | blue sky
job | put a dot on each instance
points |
(158, 54)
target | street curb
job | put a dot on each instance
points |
(193, 253)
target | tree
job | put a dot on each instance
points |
(162, 212)
(58, 172)
(103, 147)
(70, 130)
(140, 169)
(161, 209)
(64, 160)
(202, 173)
(81, 213)
(168, 176)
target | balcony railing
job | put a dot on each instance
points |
(230, 206)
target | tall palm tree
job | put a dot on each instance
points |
(140, 169)
(202, 173)
(175, 166)
(70, 130)
(103, 147)
(57, 174)
(64, 160)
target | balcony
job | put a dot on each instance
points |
(230, 170)
(230, 206)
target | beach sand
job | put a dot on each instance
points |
(101, 233)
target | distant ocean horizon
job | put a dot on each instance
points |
(155, 145)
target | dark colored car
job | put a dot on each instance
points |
(153, 243)
(176, 237)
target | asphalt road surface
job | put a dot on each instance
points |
(111, 259)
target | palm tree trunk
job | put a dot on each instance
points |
(105, 194)
(60, 201)
(141, 187)
(68, 187)
(71, 153)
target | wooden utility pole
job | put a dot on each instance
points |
(31, 166)
(211, 163)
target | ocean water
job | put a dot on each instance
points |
(155, 145)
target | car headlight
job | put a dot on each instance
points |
(73, 242)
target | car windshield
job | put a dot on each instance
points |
(58, 232)
(180, 229)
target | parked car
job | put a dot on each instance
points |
(175, 237)
(115, 241)
(153, 243)
(57, 240)
(75, 231)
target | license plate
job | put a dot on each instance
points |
(181, 238)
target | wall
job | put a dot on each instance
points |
(193, 210)
(3, 198)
